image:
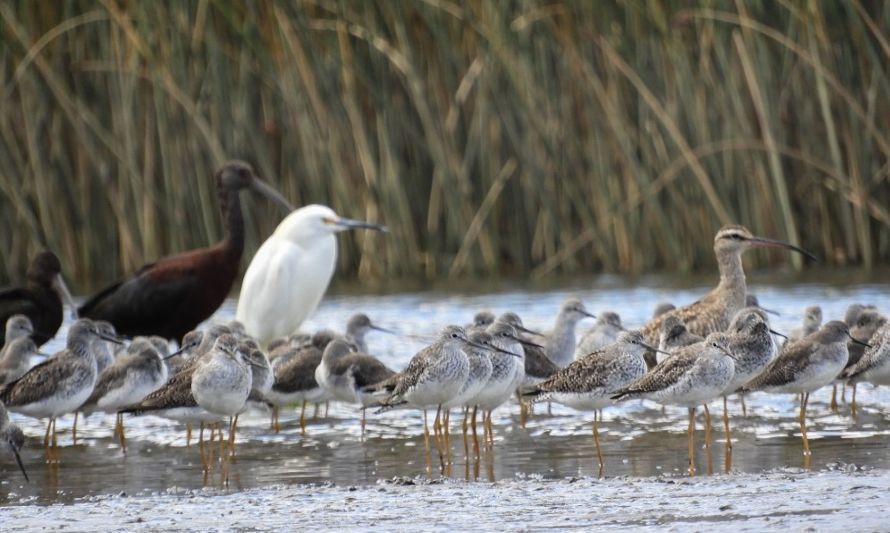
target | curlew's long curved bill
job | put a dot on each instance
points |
(18, 459)
(348, 223)
(772, 243)
(63, 292)
(266, 190)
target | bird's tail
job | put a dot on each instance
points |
(531, 394)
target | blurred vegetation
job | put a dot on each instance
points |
(506, 138)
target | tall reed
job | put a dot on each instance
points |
(519, 138)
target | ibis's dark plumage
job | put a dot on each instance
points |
(40, 299)
(173, 295)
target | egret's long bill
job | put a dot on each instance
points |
(342, 224)
(266, 190)
(63, 292)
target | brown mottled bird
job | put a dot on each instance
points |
(714, 310)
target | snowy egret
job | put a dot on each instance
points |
(290, 272)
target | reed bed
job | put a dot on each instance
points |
(511, 138)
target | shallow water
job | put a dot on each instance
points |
(639, 439)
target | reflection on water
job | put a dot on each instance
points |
(638, 438)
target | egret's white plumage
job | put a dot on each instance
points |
(290, 272)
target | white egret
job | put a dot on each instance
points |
(290, 272)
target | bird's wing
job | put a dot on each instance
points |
(16, 301)
(366, 370)
(537, 363)
(31, 387)
(111, 378)
(299, 373)
(662, 376)
(784, 369)
(148, 297)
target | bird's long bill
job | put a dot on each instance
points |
(348, 223)
(648, 347)
(63, 292)
(770, 311)
(266, 190)
(525, 342)
(18, 459)
(384, 330)
(589, 315)
(529, 331)
(477, 345)
(496, 349)
(774, 332)
(111, 338)
(177, 352)
(771, 243)
(857, 341)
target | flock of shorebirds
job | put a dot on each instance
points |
(689, 356)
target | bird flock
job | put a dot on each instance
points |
(118, 357)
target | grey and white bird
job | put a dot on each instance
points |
(806, 365)
(874, 366)
(559, 342)
(358, 326)
(60, 384)
(673, 336)
(17, 327)
(16, 359)
(589, 383)
(12, 438)
(694, 375)
(812, 321)
(345, 375)
(603, 333)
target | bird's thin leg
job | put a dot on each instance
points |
(853, 402)
(833, 404)
(46, 440)
(523, 410)
(744, 407)
(726, 425)
(188, 435)
(475, 436)
(464, 429)
(326, 405)
(232, 433)
(363, 424)
(803, 423)
(844, 392)
(596, 441)
(437, 428)
(707, 427)
(204, 461)
(123, 435)
(691, 444)
(74, 430)
(426, 445)
(303, 417)
(55, 437)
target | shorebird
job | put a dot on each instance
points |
(694, 375)
(12, 439)
(295, 379)
(538, 366)
(589, 383)
(853, 311)
(60, 384)
(15, 357)
(17, 327)
(434, 376)
(103, 353)
(804, 366)
(603, 333)
(559, 343)
(357, 327)
(674, 335)
(127, 382)
(714, 310)
(319, 340)
(345, 375)
(874, 366)
(507, 373)
(867, 324)
(40, 299)
(222, 381)
(289, 274)
(477, 378)
(174, 294)
(481, 320)
(752, 345)
(662, 308)
(812, 321)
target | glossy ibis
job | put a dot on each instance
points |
(173, 295)
(40, 299)
(290, 272)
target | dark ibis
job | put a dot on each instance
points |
(173, 295)
(40, 299)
